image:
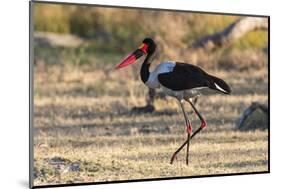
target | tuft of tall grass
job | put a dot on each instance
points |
(120, 30)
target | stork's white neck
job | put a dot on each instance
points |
(163, 67)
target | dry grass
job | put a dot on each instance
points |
(84, 130)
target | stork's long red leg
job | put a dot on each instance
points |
(203, 122)
(203, 125)
(189, 131)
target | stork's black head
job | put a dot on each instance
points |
(147, 47)
(151, 45)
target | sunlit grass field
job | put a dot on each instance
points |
(84, 130)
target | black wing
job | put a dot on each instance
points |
(186, 76)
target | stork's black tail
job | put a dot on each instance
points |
(218, 84)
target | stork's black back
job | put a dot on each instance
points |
(186, 76)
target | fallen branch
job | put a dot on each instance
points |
(232, 32)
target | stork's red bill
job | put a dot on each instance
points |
(131, 58)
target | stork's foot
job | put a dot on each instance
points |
(144, 109)
(173, 158)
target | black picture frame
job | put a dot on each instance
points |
(31, 93)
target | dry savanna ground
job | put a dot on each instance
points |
(84, 130)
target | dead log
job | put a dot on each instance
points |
(232, 32)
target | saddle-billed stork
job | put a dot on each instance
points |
(180, 80)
